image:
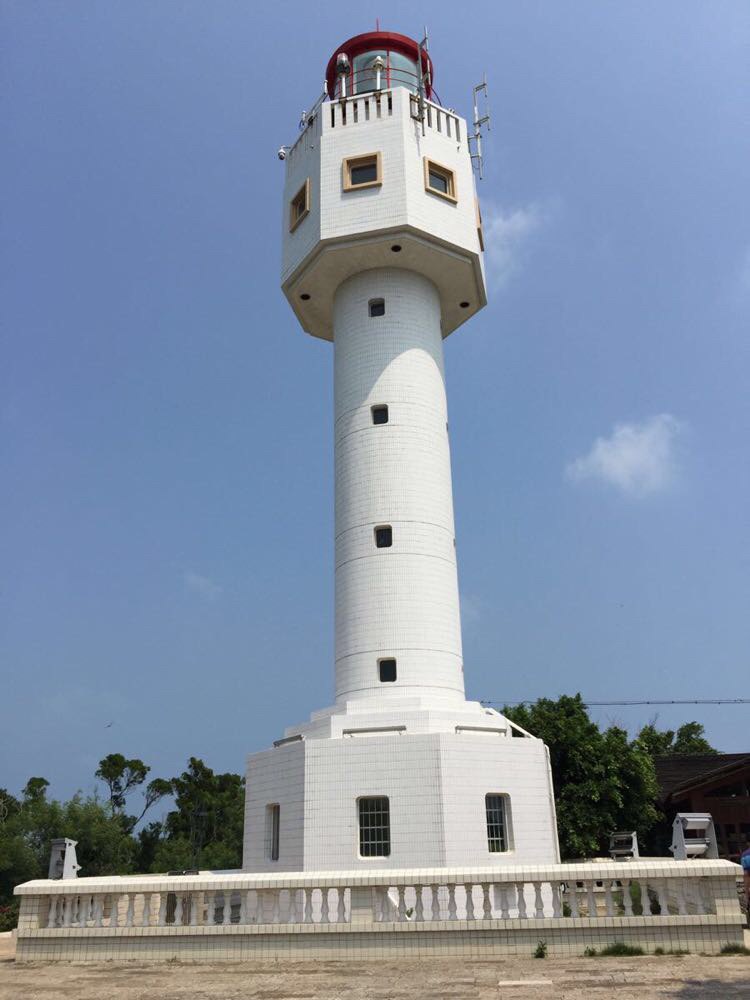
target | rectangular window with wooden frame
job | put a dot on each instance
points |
(440, 180)
(299, 206)
(362, 171)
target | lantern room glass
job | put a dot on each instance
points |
(398, 71)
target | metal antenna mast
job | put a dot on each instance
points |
(480, 119)
(424, 80)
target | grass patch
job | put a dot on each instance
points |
(677, 952)
(734, 949)
(614, 949)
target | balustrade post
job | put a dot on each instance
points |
(434, 902)
(130, 912)
(210, 907)
(227, 914)
(341, 908)
(178, 910)
(574, 911)
(67, 911)
(308, 913)
(520, 891)
(194, 900)
(99, 910)
(504, 908)
(627, 899)
(486, 904)
(419, 904)
(469, 889)
(556, 888)
(52, 914)
(679, 889)
(608, 905)
(661, 895)
(590, 897)
(538, 901)
(324, 914)
(400, 893)
(452, 913)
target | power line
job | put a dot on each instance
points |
(602, 704)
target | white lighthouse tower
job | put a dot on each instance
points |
(383, 257)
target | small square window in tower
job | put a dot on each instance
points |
(362, 172)
(387, 671)
(380, 414)
(299, 206)
(377, 307)
(374, 827)
(384, 536)
(497, 823)
(439, 180)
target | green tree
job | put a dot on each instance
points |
(205, 828)
(689, 738)
(603, 781)
(122, 776)
(105, 846)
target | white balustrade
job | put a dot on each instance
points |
(632, 894)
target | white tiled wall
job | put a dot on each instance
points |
(400, 601)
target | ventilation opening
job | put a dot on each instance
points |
(384, 536)
(380, 414)
(387, 671)
(377, 307)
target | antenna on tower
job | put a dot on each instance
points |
(480, 118)
(424, 80)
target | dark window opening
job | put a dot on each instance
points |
(377, 307)
(387, 670)
(497, 833)
(374, 827)
(363, 173)
(273, 817)
(439, 182)
(384, 536)
(380, 414)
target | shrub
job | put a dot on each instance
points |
(590, 953)
(541, 950)
(620, 948)
(734, 949)
(8, 916)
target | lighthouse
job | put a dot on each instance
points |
(383, 258)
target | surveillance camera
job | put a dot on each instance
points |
(282, 153)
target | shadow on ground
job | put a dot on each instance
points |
(740, 988)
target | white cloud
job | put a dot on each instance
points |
(637, 458)
(201, 585)
(507, 233)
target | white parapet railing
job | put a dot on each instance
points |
(689, 905)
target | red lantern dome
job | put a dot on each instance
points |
(379, 60)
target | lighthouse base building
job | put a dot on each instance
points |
(383, 257)
(412, 787)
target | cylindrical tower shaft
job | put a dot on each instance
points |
(396, 580)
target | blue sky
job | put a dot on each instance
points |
(166, 523)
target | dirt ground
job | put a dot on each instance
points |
(691, 977)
